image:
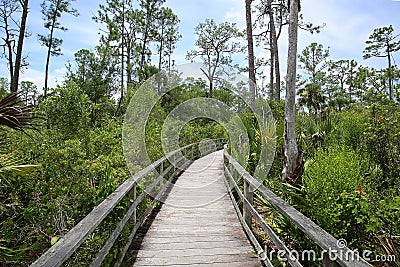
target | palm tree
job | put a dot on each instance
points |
(14, 115)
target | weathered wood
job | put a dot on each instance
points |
(248, 194)
(195, 222)
(272, 235)
(247, 229)
(322, 238)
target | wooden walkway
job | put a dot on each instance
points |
(197, 225)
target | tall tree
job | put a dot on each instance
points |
(250, 50)
(28, 93)
(12, 27)
(148, 19)
(313, 61)
(115, 15)
(273, 15)
(215, 47)
(381, 43)
(341, 80)
(293, 169)
(21, 37)
(52, 11)
(167, 34)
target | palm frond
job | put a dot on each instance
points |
(14, 114)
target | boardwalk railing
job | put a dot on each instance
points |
(234, 172)
(167, 168)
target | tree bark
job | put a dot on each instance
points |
(274, 55)
(292, 170)
(121, 99)
(250, 48)
(161, 47)
(21, 37)
(271, 71)
(46, 77)
(390, 75)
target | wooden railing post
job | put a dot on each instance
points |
(248, 194)
(173, 163)
(133, 197)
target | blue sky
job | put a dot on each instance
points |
(348, 25)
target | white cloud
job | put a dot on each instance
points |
(236, 15)
(60, 71)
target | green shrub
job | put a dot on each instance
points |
(333, 182)
(332, 171)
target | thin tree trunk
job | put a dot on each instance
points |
(211, 89)
(128, 65)
(271, 76)
(21, 37)
(292, 170)
(390, 76)
(277, 73)
(46, 77)
(10, 62)
(274, 55)
(121, 99)
(250, 47)
(161, 48)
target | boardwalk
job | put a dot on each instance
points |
(197, 226)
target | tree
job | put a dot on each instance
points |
(148, 18)
(292, 170)
(12, 28)
(313, 61)
(167, 35)
(29, 93)
(96, 76)
(115, 15)
(381, 43)
(250, 47)
(18, 57)
(270, 37)
(52, 11)
(273, 15)
(215, 47)
(341, 82)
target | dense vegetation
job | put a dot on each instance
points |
(59, 164)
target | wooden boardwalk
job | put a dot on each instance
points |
(197, 225)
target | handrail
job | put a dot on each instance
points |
(343, 256)
(66, 246)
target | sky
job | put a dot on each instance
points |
(348, 24)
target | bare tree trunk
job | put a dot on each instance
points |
(276, 94)
(46, 76)
(161, 48)
(21, 37)
(390, 76)
(121, 99)
(292, 170)
(250, 47)
(271, 76)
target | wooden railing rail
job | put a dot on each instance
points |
(234, 172)
(168, 167)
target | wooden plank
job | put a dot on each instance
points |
(197, 224)
(190, 260)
